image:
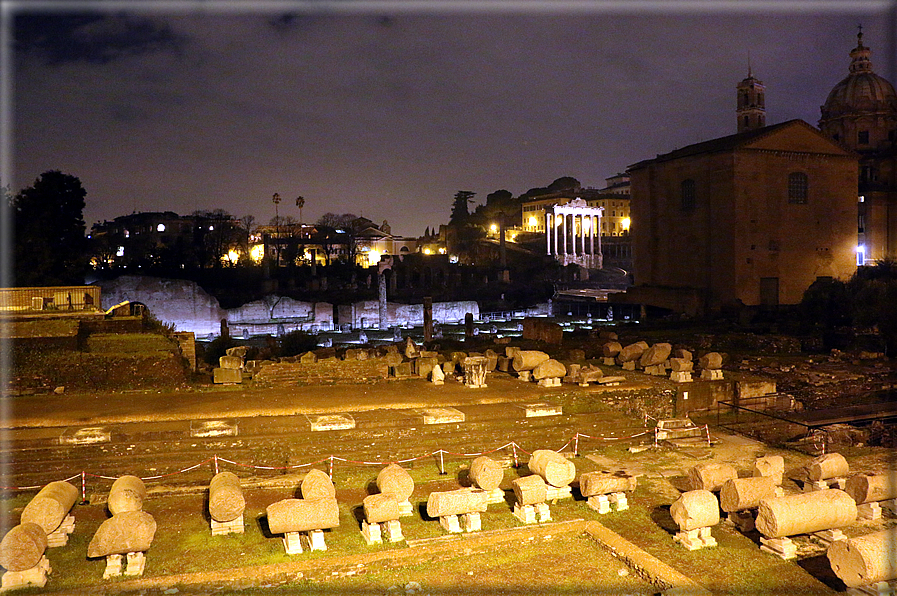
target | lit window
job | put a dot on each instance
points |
(861, 255)
(160, 228)
(797, 188)
(861, 199)
(120, 252)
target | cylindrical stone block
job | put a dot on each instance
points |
(486, 473)
(127, 532)
(739, 494)
(866, 559)
(530, 490)
(869, 488)
(395, 480)
(302, 515)
(711, 475)
(711, 361)
(553, 467)
(770, 465)
(805, 513)
(226, 501)
(22, 547)
(549, 369)
(528, 359)
(456, 502)
(317, 485)
(602, 483)
(50, 506)
(380, 508)
(632, 352)
(656, 354)
(830, 465)
(695, 509)
(127, 494)
(611, 349)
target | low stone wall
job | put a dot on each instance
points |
(328, 371)
(366, 314)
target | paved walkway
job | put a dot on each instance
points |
(242, 402)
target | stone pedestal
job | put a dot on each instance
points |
(681, 376)
(826, 537)
(784, 548)
(695, 539)
(475, 371)
(234, 526)
(609, 361)
(316, 540)
(113, 566)
(371, 533)
(839, 482)
(657, 370)
(36, 576)
(630, 365)
(870, 511)
(530, 514)
(450, 523)
(292, 543)
(619, 501)
(711, 375)
(525, 375)
(60, 536)
(470, 522)
(393, 530)
(743, 521)
(550, 382)
(136, 564)
(599, 503)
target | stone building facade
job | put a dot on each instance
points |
(748, 219)
(860, 112)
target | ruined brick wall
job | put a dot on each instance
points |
(328, 371)
(542, 330)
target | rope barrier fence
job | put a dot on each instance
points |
(216, 461)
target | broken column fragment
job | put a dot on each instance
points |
(22, 555)
(226, 504)
(129, 533)
(395, 480)
(804, 513)
(381, 511)
(554, 468)
(695, 512)
(127, 494)
(50, 510)
(604, 490)
(463, 503)
(317, 485)
(865, 560)
(291, 517)
(711, 475)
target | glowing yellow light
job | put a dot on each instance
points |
(442, 251)
(586, 224)
(374, 257)
(493, 228)
(533, 222)
(625, 223)
(427, 251)
(513, 237)
(257, 253)
(558, 219)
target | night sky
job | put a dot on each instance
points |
(386, 109)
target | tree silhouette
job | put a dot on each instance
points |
(460, 212)
(50, 247)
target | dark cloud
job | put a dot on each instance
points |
(90, 37)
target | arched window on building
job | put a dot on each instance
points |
(688, 200)
(797, 188)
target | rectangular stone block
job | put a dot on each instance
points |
(784, 548)
(402, 370)
(227, 376)
(230, 362)
(235, 526)
(331, 422)
(450, 523)
(542, 409)
(442, 415)
(371, 533)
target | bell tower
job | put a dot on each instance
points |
(751, 102)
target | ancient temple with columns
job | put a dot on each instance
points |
(572, 233)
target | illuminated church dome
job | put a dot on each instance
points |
(861, 110)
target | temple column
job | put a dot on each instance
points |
(547, 232)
